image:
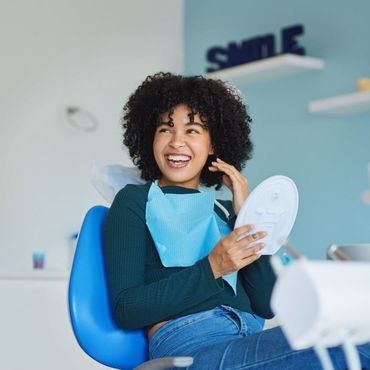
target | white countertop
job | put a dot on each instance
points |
(35, 274)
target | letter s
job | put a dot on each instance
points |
(218, 56)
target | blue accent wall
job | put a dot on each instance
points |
(327, 157)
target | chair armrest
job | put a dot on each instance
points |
(165, 363)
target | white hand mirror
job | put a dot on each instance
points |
(272, 206)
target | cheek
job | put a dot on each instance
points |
(157, 146)
(202, 153)
(203, 147)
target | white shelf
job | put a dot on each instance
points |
(280, 66)
(343, 105)
(34, 275)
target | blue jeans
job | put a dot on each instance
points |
(229, 339)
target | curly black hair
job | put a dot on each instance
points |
(221, 105)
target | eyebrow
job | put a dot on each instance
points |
(186, 124)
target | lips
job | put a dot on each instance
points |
(178, 157)
(177, 160)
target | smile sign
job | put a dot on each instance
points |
(254, 49)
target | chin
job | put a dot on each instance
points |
(180, 180)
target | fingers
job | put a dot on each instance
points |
(235, 251)
(250, 238)
(248, 260)
(253, 251)
(229, 170)
(246, 256)
(240, 232)
(249, 255)
(234, 181)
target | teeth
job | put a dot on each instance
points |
(178, 158)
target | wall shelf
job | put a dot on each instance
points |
(277, 67)
(343, 105)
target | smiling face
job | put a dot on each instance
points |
(181, 147)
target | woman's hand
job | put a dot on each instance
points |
(234, 180)
(230, 254)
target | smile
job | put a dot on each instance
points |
(177, 161)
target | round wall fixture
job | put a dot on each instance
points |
(81, 119)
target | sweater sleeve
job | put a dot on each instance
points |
(136, 303)
(258, 278)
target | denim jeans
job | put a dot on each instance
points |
(229, 339)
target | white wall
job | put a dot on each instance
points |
(90, 53)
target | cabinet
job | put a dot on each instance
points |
(34, 320)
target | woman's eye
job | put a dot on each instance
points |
(164, 130)
(192, 131)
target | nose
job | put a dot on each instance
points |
(177, 140)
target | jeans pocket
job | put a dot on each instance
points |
(234, 319)
(252, 323)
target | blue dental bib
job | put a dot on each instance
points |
(184, 227)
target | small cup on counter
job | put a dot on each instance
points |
(38, 260)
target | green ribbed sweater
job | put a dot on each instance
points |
(143, 292)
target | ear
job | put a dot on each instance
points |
(211, 151)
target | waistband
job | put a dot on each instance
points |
(220, 321)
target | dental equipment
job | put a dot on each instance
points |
(331, 305)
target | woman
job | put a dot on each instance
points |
(174, 263)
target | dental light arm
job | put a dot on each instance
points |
(331, 306)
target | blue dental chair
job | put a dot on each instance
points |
(90, 312)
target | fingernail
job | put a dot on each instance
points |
(218, 159)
